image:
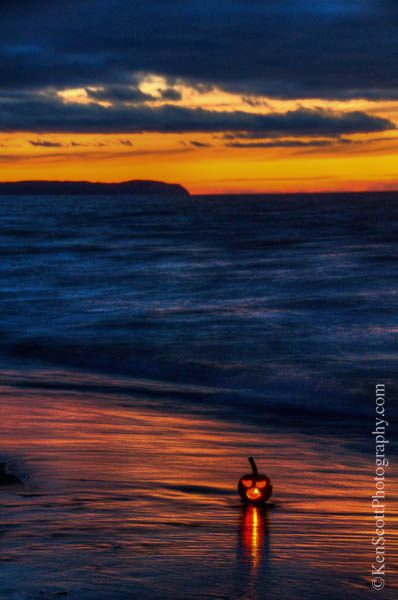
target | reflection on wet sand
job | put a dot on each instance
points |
(253, 550)
(255, 531)
(130, 499)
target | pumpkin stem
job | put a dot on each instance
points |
(253, 466)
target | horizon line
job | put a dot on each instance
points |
(195, 194)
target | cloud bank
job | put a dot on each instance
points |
(50, 115)
(291, 49)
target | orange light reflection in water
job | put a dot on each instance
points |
(253, 533)
(254, 555)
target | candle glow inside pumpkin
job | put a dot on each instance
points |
(255, 488)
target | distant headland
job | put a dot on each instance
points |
(85, 188)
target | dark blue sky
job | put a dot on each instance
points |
(290, 49)
(293, 48)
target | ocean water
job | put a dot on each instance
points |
(148, 347)
(249, 306)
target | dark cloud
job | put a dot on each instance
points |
(80, 145)
(197, 144)
(118, 93)
(45, 144)
(255, 102)
(59, 157)
(281, 144)
(170, 94)
(291, 143)
(290, 49)
(130, 94)
(48, 114)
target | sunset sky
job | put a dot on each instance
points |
(220, 96)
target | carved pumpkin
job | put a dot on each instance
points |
(254, 487)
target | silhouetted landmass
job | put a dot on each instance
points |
(83, 188)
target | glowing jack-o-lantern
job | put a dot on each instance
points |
(254, 487)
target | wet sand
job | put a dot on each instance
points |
(130, 498)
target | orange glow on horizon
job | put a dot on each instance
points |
(212, 163)
(203, 163)
(209, 168)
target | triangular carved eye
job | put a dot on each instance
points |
(247, 482)
(261, 484)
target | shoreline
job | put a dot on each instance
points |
(147, 498)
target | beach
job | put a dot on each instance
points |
(149, 346)
(127, 498)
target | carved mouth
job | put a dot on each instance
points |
(253, 494)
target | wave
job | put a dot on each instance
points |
(271, 305)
